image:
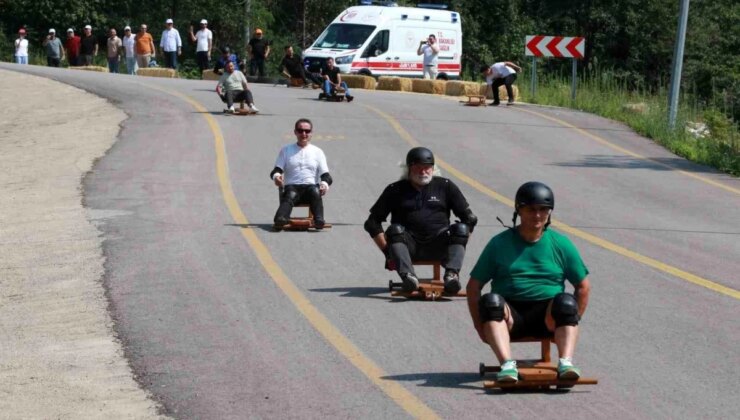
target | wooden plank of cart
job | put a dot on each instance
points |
(539, 374)
(429, 288)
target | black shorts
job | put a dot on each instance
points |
(529, 319)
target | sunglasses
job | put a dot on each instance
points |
(302, 130)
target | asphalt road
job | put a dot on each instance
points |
(222, 318)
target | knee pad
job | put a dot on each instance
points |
(565, 310)
(290, 196)
(491, 307)
(459, 233)
(314, 193)
(395, 233)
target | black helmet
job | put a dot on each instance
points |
(535, 193)
(419, 155)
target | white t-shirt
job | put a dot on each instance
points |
(202, 37)
(301, 165)
(21, 47)
(430, 57)
(500, 70)
(128, 45)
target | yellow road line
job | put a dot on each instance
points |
(400, 395)
(691, 278)
(631, 153)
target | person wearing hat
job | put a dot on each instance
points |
(54, 49)
(72, 47)
(420, 204)
(258, 49)
(21, 48)
(144, 48)
(88, 47)
(171, 44)
(203, 44)
(527, 266)
(129, 45)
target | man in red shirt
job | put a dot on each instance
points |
(72, 45)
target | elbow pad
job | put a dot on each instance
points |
(470, 219)
(373, 227)
(275, 171)
(326, 178)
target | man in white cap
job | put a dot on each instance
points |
(204, 44)
(54, 49)
(129, 42)
(171, 44)
(88, 47)
(72, 47)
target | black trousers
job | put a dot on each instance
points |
(257, 64)
(505, 81)
(53, 62)
(232, 96)
(201, 57)
(439, 248)
(299, 194)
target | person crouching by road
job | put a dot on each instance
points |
(303, 174)
(232, 87)
(333, 80)
(503, 73)
(420, 205)
(292, 66)
(527, 266)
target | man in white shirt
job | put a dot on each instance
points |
(303, 174)
(21, 48)
(204, 43)
(430, 50)
(503, 73)
(129, 42)
(171, 45)
(232, 87)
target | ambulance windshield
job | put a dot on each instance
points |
(344, 36)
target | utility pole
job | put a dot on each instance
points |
(247, 13)
(675, 88)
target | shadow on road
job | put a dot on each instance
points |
(264, 226)
(628, 162)
(457, 380)
(361, 292)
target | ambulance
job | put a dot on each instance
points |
(381, 39)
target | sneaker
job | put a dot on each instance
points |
(231, 110)
(281, 221)
(350, 98)
(410, 282)
(253, 108)
(318, 224)
(509, 372)
(452, 282)
(510, 102)
(566, 370)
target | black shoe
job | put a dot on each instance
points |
(318, 224)
(510, 102)
(350, 98)
(281, 221)
(452, 282)
(495, 103)
(410, 282)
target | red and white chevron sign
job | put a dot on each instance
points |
(554, 46)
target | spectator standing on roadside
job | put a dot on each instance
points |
(144, 47)
(129, 43)
(88, 47)
(171, 44)
(221, 62)
(204, 44)
(115, 50)
(259, 50)
(54, 49)
(72, 47)
(430, 50)
(21, 48)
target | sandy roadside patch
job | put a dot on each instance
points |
(58, 356)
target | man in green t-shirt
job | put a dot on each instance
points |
(527, 266)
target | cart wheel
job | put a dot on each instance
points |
(482, 370)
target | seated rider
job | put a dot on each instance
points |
(527, 266)
(226, 56)
(420, 205)
(232, 87)
(292, 66)
(301, 171)
(333, 80)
